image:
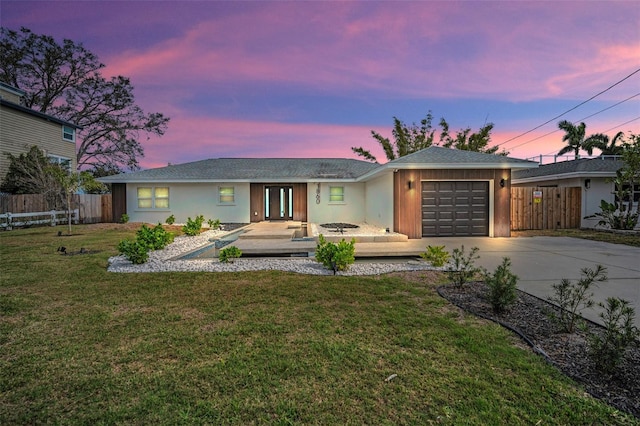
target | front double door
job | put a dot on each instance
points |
(278, 202)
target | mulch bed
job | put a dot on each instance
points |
(568, 352)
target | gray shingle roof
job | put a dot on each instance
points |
(271, 169)
(582, 166)
(437, 155)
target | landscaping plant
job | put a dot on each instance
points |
(155, 238)
(336, 257)
(608, 348)
(227, 254)
(214, 224)
(502, 286)
(436, 255)
(124, 218)
(135, 251)
(571, 298)
(462, 267)
(170, 220)
(193, 227)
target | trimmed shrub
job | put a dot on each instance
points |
(336, 257)
(155, 238)
(227, 254)
(436, 255)
(135, 251)
(502, 286)
(193, 227)
(124, 218)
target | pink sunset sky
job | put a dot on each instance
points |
(312, 79)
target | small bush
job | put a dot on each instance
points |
(462, 267)
(336, 257)
(135, 251)
(170, 220)
(193, 227)
(214, 224)
(607, 349)
(155, 238)
(124, 218)
(571, 298)
(436, 255)
(227, 254)
(502, 286)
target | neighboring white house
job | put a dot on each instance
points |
(592, 175)
(433, 192)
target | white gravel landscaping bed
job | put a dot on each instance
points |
(162, 261)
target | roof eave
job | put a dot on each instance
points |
(562, 176)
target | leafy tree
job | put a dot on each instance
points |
(31, 173)
(467, 141)
(601, 141)
(64, 80)
(574, 137)
(70, 183)
(407, 139)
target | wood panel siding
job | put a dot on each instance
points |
(118, 201)
(558, 208)
(256, 192)
(20, 131)
(407, 218)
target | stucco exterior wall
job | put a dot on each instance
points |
(190, 200)
(321, 210)
(20, 131)
(379, 201)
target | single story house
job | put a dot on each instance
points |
(433, 192)
(592, 175)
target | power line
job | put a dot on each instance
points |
(582, 119)
(571, 109)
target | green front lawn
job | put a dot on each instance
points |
(81, 345)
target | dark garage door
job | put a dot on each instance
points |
(456, 208)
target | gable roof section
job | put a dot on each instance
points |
(585, 167)
(251, 169)
(439, 157)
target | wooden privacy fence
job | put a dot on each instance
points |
(93, 208)
(545, 208)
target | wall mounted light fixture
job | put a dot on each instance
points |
(410, 184)
(503, 182)
(587, 183)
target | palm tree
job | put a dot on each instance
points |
(601, 142)
(574, 136)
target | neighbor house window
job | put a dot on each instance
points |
(63, 162)
(153, 198)
(68, 133)
(336, 194)
(227, 194)
(629, 193)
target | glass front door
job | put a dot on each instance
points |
(278, 202)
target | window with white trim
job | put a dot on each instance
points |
(336, 194)
(68, 133)
(63, 162)
(153, 197)
(226, 194)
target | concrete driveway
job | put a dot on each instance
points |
(541, 262)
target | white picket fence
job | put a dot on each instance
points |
(9, 220)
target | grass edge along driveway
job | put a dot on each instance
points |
(81, 345)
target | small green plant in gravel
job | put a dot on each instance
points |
(124, 218)
(228, 254)
(436, 255)
(572, 297)
(155, 238)
(170, 220)
(135, 251)
(606, 349)
(502, 286)
(462, 267)
(214, 223)
(336, 257)
(193, 226)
